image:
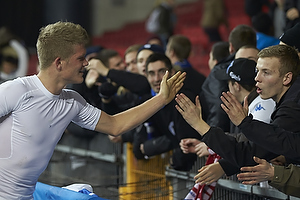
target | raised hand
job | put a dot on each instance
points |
(170, 87)
(235, 111)
(91, 78)
(191, 113)
(98, 66)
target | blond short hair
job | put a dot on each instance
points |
(58, 40)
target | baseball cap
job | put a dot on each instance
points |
(241, 70)
(152, 47)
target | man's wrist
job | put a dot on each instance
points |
(203, 127)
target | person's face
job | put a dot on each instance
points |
(269, 83)
(130, 60)
(73, 67)
(155, 72)
(117, 63)
(141, 60)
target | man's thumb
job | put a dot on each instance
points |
(257, 160)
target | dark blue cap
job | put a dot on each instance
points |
(153, 47)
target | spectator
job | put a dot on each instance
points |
(280, 85)
(130, 58)
(219, 51)
(279, 176)
(167, 126)
(43, 115)
(144, 52)
(131, 66)
(136, 83)
(240, 75)
(212, 87)
(178, 51)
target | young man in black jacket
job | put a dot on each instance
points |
(278, 67)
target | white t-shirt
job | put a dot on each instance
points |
(262, 109)
(32, 120)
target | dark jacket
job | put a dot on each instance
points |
(168, 128)
(168, 124)
(212, 89)
(286, 116)
(194, 79)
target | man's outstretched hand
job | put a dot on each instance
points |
(170, 87)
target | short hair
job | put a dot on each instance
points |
(105, 55)
(288, 58)
(242, 35)
(220, 50)
(58, 40)
(159, 57)
(132, 48)
(181, 46)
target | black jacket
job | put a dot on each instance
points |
(212, 89)
(169, 128)
(268, 140)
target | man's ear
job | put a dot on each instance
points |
(231, 48)
(58, 63)
(172, 52)
(236, 86)
(287, 79)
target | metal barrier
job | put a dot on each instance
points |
(115, 174)
(228, 188)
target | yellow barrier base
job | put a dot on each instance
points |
(146, 178)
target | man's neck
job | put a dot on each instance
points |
(281, 94)
(51, 84)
